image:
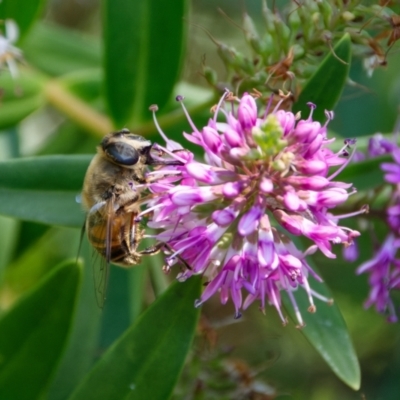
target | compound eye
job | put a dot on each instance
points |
(122, 153)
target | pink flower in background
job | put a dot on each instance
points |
(384, 267)
(266, 177)
(384, 275)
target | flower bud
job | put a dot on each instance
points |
(210, 75)
(247, 112)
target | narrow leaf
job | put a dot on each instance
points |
(22, 12)
(326, 85)
(144, 42)
(327, 332)
(137, 286)
(43, 189)
(58, 51)
(116, 314)
(85, 83)
(146, 361)
(51, 208)
(57, 172)
(9, 231)
(20, 97)
(83, 341)
(34, 332)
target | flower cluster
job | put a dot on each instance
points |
(384, 267)
(306, 32)
(266, 178)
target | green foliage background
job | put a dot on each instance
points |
(77, 85)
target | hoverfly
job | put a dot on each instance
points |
(111, 196)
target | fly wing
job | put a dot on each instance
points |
(101, 270)
(101, 239)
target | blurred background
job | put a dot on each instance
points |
(228, 354)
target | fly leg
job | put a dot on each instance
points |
(131, 235)
(152, 250)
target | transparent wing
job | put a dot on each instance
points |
(101, 258)
(101, 270)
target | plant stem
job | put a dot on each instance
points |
(76, 109)
(99, 124)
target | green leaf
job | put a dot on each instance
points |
(34, 332)
(57, 172)
(146, 361)
(20, 97)
(44, 189)
(137, 288)
(84, 83)
(83, 340)
(9, 230)
(58, 51)
(144, 42)
(22, 12)
(326, 85)
(327, 332)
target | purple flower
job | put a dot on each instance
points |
(384, 275)
(351, 253)
(266, 178)
(378, 145)
(392, 170)
(384, 267)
